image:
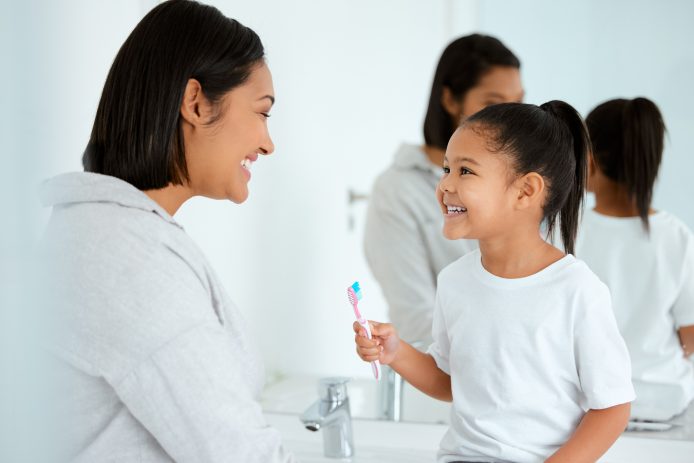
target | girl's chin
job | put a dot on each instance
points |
(453, 234)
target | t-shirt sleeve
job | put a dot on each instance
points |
(192, 397)
(683, 308)
(441, 347)
(602, 358)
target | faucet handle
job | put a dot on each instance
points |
(333, 389)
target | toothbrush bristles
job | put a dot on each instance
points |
(357, 290)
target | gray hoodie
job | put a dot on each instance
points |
(157, 360)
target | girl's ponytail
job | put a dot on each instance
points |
(551, 140)
(570, 212)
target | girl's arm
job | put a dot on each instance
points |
(596, 433)
(417, 368)
(686, 334)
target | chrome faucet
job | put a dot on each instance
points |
(331, 414)
(391, 390)
(390, 394)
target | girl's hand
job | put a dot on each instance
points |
(383, 346)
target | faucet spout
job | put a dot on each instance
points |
(331, 413)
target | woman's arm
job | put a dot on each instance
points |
(596, 433)
(417, 368)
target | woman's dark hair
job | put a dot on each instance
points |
(627, 144)
(137, 129)
(551, 140)
(462, 64)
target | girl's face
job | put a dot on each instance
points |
(219, 155)
(475, 192)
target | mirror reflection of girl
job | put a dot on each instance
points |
(525, 341)
(646, 257)
(158, 360)
(402, 238)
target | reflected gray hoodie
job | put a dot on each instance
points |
(157, 359)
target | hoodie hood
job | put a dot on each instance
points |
(411, 156)
(88, 187)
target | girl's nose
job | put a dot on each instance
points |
(444, 186)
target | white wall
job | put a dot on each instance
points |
(590, 51)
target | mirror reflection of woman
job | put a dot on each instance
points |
(158, 361)
(646, 257)
(403, 243)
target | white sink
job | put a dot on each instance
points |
(374, 441)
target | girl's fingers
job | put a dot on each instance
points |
(368, 351)
(365, 342)
(370, 357)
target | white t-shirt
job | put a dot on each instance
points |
(527, 357)
(651, 279)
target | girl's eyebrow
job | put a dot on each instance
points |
(460, 159)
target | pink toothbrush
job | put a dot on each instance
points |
(354, 296)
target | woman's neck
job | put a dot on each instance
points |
(171, 197)
(518, 255)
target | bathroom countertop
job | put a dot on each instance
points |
(682, 429)
(294, 394)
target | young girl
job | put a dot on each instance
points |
(645, 257)
(525, 342)
(402, 234)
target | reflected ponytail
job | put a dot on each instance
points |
(627, 144)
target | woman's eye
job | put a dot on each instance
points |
(266, 115)
(446, 170)
(464, 171)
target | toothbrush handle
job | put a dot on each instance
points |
(375, 366)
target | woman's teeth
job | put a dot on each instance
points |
(246, 164)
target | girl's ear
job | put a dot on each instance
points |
(530, 191)
(592, 167)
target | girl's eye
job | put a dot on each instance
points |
(446, 170)
(464, 171)
(266, 115)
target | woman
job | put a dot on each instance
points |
(403, 243)
(157, 358)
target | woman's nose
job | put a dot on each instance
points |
(267, 147)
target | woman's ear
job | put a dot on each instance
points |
(531, 190)
(193, 101)
(452, 105)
